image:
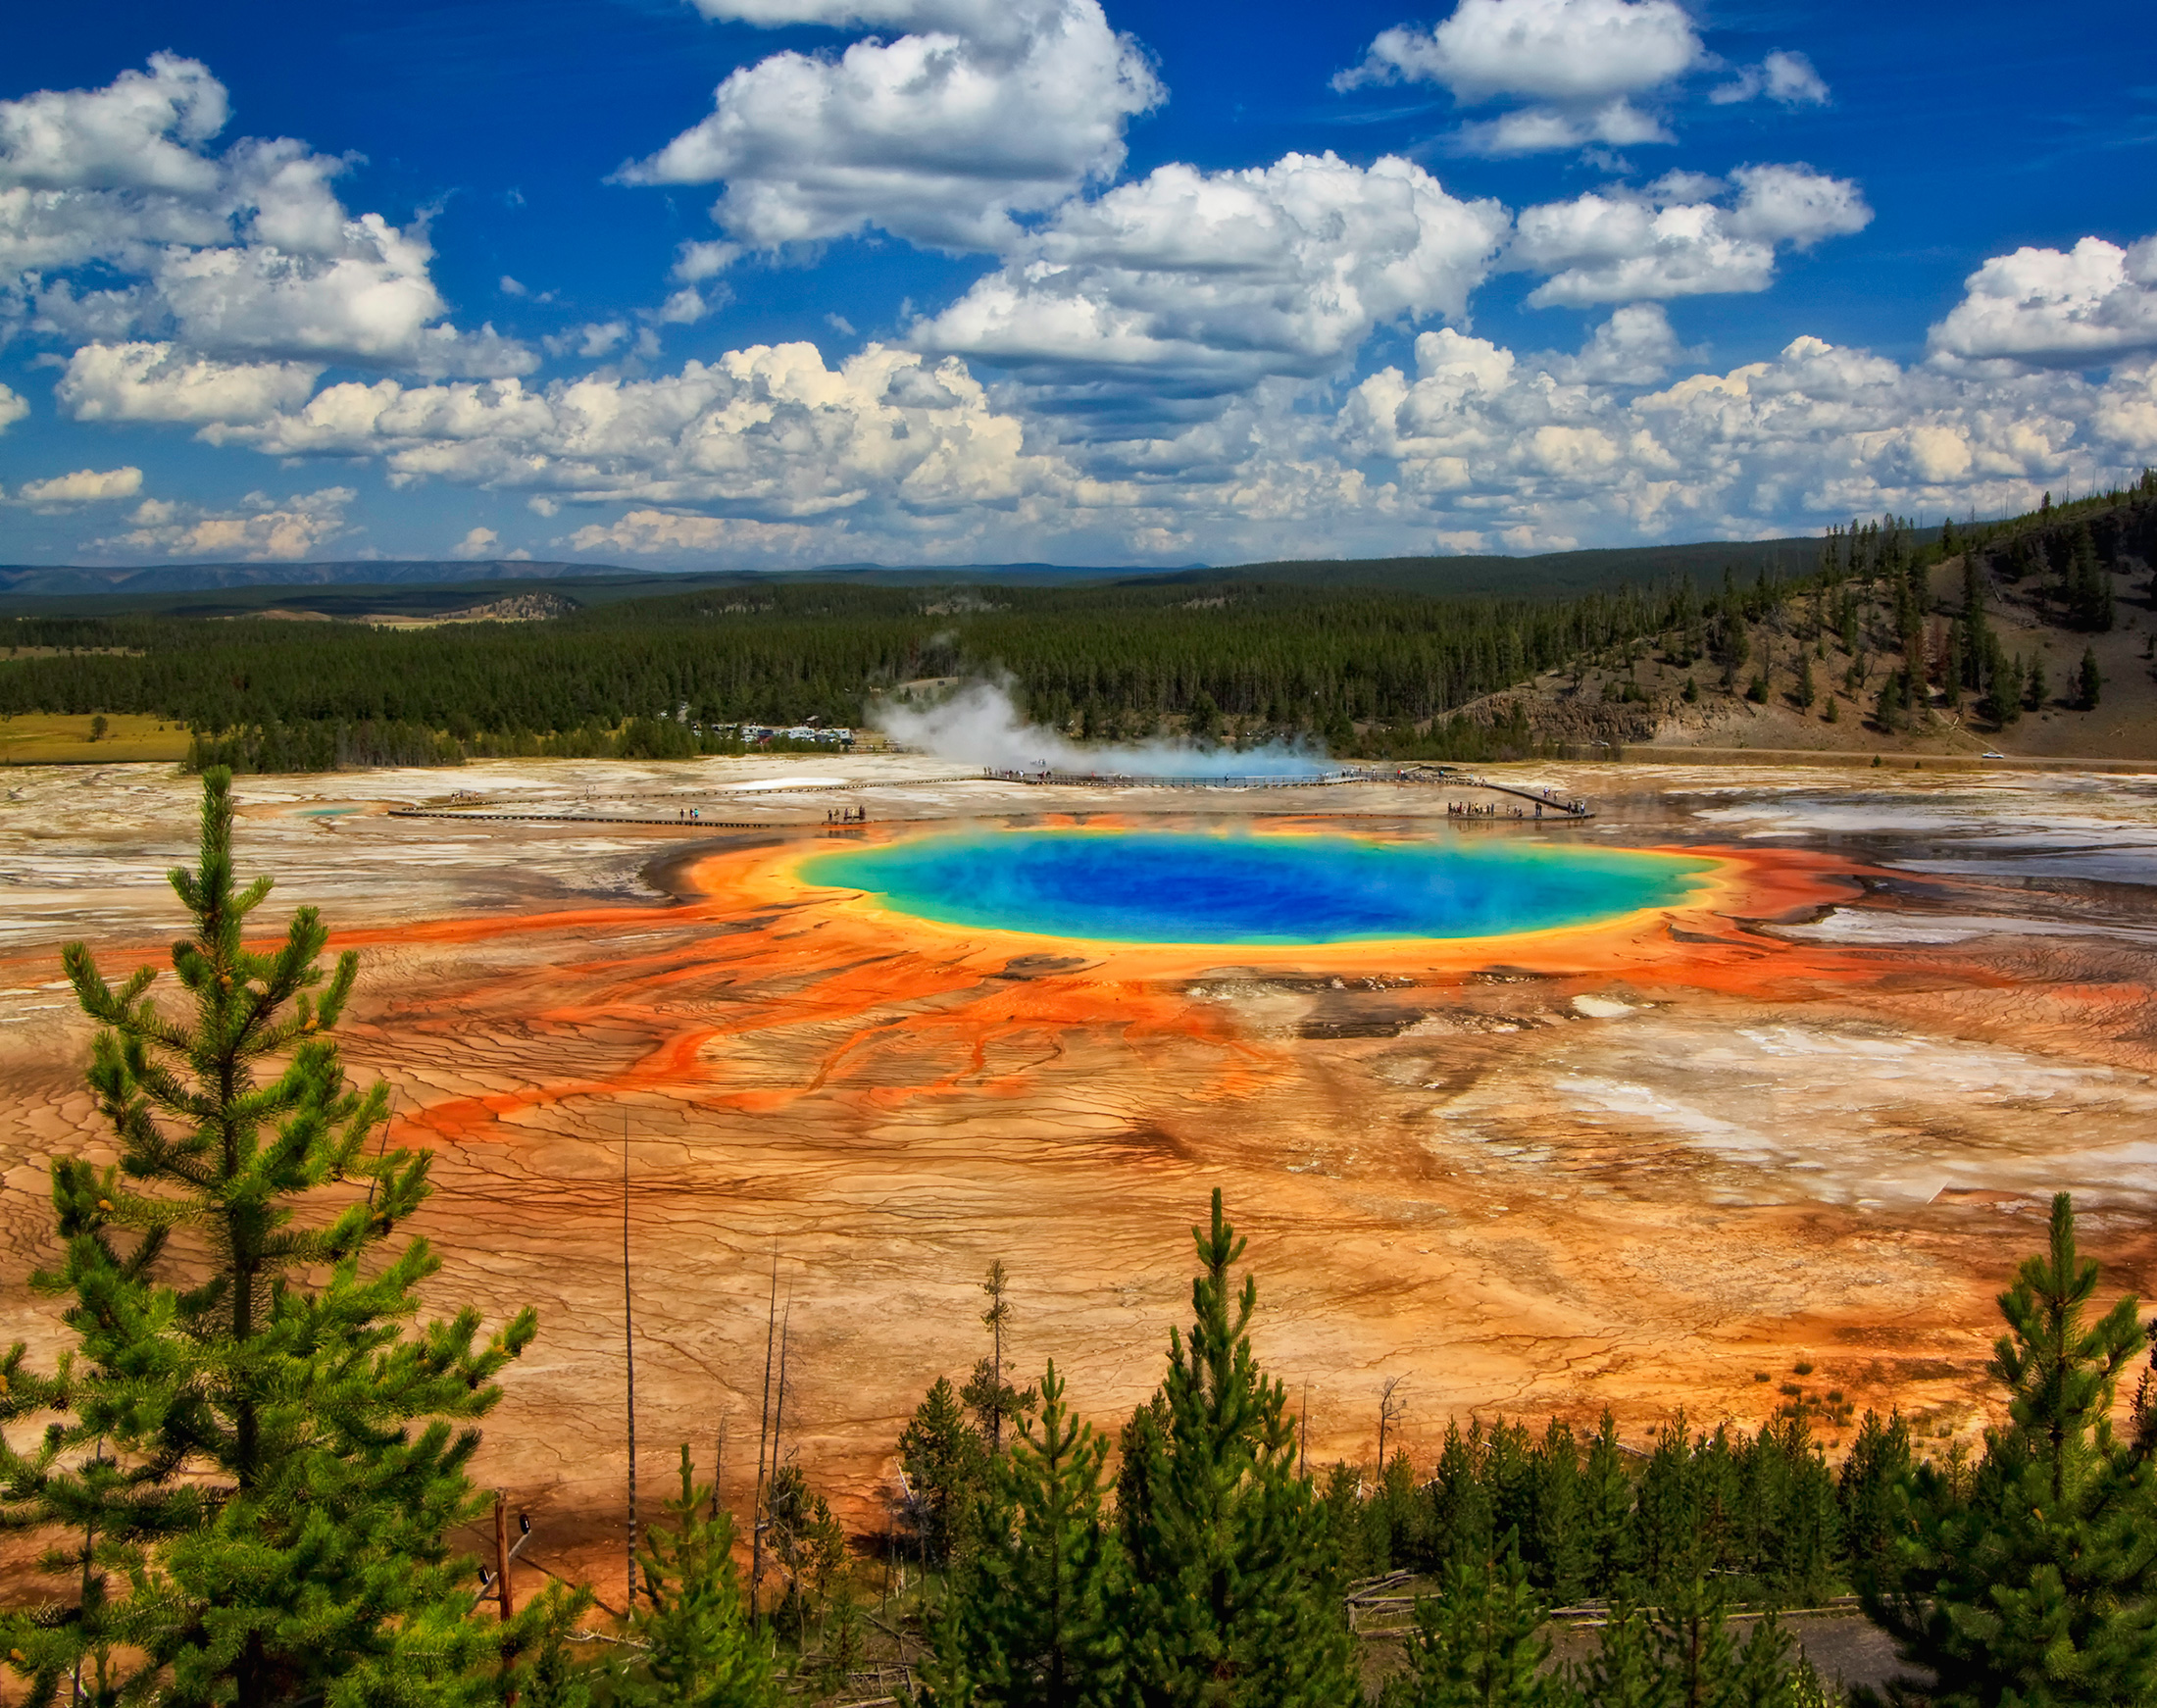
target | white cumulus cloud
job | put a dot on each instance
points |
(261, 528)
(1576, 62)
(649, 532)
(938, 136)
(158, 382)
(1618, 245)
(1784, 77)
(119, 221)
(2078, 308)
(13, 408)
(1540, 129)
(84, 486)
(139, 132)
(770, 431)
(1569, 51)
(1211, 281)
(1481, 438)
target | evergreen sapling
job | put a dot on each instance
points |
(279, 1463)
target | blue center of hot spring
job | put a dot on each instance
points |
(1151, 886)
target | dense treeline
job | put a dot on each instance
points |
(1223, 660)
(1372, 670)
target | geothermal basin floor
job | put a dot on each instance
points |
(1816, 1121)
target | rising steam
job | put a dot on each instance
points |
(979, 725)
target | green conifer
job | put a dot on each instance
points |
(807, 1543)
(698, 1649)
(1606, 1510)
(1232, 1603)
(1034, 1624)
(2035, 1582)
(1888, 710)
(1693, 1647)
(1872, 1473)
(1767, 1674)
(1564, 1551)
(993, 1401)
(947, 1465)
(1463, 1513)
(1624, 1672)
(1399, 1515)
(278, 1472)
(2089, 682)
(1477, 1645)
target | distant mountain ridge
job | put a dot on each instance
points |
(1551, 573)
(77, 578)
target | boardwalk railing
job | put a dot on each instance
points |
(1562, 806)
(1129, 779)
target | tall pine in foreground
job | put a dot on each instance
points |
(1234, 1600)
(2039, 1586)
(692, 1625)
(281, 1457)
(1033, 1618)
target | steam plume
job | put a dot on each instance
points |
(979, 725)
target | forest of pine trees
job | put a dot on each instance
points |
(1372, 671)
(246, 1476)
(1106, 661)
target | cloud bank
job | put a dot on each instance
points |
(1174, 364)
(121, 225)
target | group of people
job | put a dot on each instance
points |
(1503, 810)
(846, 816)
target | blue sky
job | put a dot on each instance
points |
(775, 282)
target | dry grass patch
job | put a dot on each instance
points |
(63, 739)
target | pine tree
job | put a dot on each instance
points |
(2034, 692)
(1479, 1645)
(1353, 1530)
(1670, 1528)
(2088, 679)
(1606, 1510)
(288, 1472)
(1693, 1647)
(1626, 1670)
(1872, 1471)
(1807, 690)
(1463, 1519)
(1564, 1549)
(806, 1542)
(992, 1400)
(1397, 1515)
(2037, 1583)
(1888, 711)
(1233, 1602)
(946, 1465)
(1765, 1676)
(697, 1648)
(1034, 1622)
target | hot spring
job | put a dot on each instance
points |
(1153, 886)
